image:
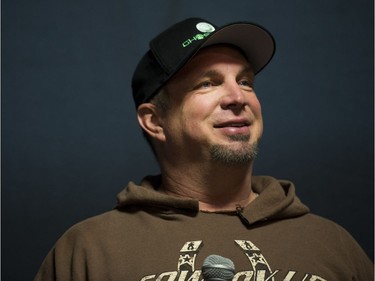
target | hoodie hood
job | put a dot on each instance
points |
(276, 200)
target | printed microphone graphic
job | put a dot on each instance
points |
(217, 268)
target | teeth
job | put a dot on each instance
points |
(236, 125)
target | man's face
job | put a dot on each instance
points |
(214, 113)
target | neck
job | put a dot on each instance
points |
(218, 188)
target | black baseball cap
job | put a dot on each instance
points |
(171, 50)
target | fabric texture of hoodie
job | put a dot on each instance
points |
(157, 237)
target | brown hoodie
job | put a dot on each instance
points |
(156, 237)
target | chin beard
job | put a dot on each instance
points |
(230, 156)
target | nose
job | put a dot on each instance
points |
(234, 97)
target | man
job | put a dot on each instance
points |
(197, 107)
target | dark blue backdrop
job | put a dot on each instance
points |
(70, 140)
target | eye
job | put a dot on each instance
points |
(206, 84)
(245, 83)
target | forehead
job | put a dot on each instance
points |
(210, 56)
(217, 54)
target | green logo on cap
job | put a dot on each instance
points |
(202, 27)
(195, 38)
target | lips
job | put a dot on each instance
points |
(233, 123)
(234, 127)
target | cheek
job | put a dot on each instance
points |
(198, 108)
(256, 107)
(192, 121)
(195, 114)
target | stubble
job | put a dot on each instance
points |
(225, 154)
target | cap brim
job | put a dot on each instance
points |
(257, 43)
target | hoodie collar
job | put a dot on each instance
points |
(276, 200)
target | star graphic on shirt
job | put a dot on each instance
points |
(255, 259)
(186, 259)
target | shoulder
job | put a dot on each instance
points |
(324, 226)
(329, 233)
(322, 223)
(92, 228)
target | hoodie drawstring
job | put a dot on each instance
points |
(239, 211)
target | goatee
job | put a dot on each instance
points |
(235, 156)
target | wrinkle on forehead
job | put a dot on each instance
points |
(200, 64)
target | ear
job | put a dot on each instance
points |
(150, 120)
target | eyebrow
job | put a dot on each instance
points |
(248, 71)
(211, 73)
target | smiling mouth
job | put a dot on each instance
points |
(233, 125)
(234, 129)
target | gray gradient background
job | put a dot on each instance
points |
(70, 141)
